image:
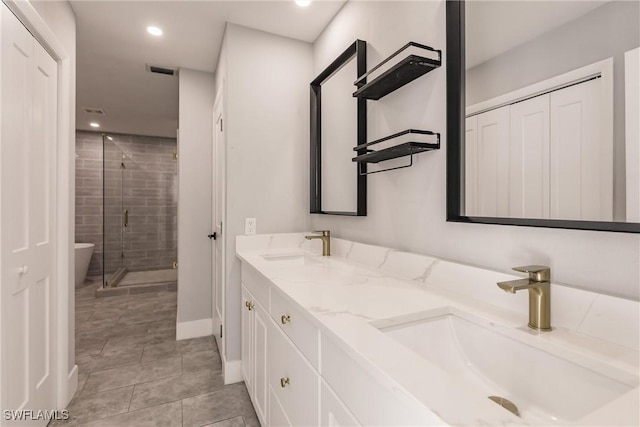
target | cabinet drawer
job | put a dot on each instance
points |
(293, 380)
(333, 412)
(372, 401)
(257, 284)
(304, 334)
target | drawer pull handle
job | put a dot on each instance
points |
(250, 305)
(285, 319)
(284, 382)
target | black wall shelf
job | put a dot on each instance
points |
(401, 73)
(400, 150)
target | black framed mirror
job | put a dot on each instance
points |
(338, 123)
(541, 130)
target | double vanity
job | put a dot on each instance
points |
(375, 336)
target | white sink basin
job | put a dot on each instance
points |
(546, 389)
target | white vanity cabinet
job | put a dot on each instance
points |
(281, 360)
(255, 325)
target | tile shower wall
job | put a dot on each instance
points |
(89, 195)
(147, 187)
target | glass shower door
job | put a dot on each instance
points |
(115, 213)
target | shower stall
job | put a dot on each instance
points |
(139, 210)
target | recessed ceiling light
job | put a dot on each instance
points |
(154, 31)
(94, 125)
(303, 3)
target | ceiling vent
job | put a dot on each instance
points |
(161, 70)
(96, 111)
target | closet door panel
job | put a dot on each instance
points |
(471, 166)
(581, 156)
(16, 73)
(493, 163)
(529, 160)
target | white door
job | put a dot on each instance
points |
(632, 132)
(529, 159)
(581, 155)
(471, 166)
(218, 199)
(27, 176)
(493, 163)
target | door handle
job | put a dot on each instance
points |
(213, 236)
(126, 217)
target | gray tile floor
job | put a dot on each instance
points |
(132, 371)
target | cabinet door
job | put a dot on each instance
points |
(277, 417)
(260, 366)
(529, 159)
(332, 411)
(493, 163)
(247, 338)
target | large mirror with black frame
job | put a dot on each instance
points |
(338, 123)
(543, 113)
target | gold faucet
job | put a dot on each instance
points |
(326, 241)
(539, 286)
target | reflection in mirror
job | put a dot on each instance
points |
(339, 135)
(338, 124)
(552, 118)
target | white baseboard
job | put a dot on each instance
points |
(232, 371)
(72, 384)
(193, 329)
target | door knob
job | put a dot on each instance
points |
(23, 270)
(213, 235)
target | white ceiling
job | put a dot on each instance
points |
(113, 48)
(494, 27)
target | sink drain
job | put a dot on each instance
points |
(506, 404)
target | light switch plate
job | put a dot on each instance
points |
(249, 226)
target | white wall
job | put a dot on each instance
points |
(194, 201)
(267, 116)
(407, 206)
(60, 18)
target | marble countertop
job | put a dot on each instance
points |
(361, 286)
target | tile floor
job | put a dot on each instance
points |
(132, 371)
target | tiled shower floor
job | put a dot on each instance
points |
(154, 276)
(132, 371)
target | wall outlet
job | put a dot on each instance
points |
(249, 226)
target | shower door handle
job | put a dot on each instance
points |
(126, 217)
